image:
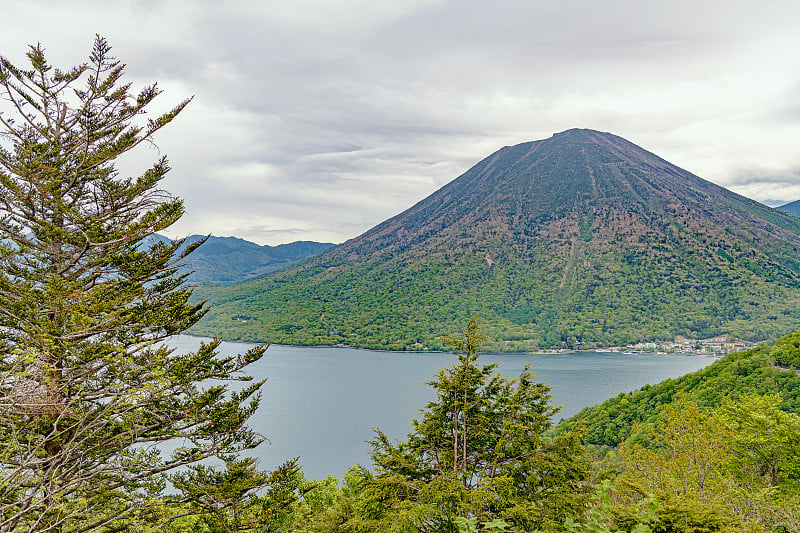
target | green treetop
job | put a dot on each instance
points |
(478, 450)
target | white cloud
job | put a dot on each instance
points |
(316, 120)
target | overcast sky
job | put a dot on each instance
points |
(316, 120)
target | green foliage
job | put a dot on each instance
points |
(681, 517)
(477, 451)
(684, 455)
(695, 471)
(735, 375)
(763, 437)
(602, 517)
(723, 469)
(94, 413)
(470, 525)
(718, 448)
(332, 506)
(229, 499)
(787, 350)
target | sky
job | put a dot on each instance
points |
(316, 120)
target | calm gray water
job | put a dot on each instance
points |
(321, 403)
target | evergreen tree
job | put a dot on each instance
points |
(479, 451)
(95, 414)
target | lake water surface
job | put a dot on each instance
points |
(321, 403)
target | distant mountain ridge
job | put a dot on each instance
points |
(225, 260)
(580, 240)
(793, 208)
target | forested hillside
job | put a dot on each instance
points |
(763, 370)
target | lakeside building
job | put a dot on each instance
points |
(719, 345)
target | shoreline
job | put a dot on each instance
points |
(562, 351)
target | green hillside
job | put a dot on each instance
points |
(763, 370)
(580, 240)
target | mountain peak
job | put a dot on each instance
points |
(582, 133)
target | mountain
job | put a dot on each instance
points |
(793, 208)
(229, 259)
(580, 240)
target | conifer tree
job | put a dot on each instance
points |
(95, 414)
(478, 451)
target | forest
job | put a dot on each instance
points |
(616, 298)
(104, 429)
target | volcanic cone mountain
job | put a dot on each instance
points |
(583, 239)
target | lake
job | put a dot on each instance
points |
(321, 403)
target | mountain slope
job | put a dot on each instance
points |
(793, 208)
(230, 259)
(578, 240)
